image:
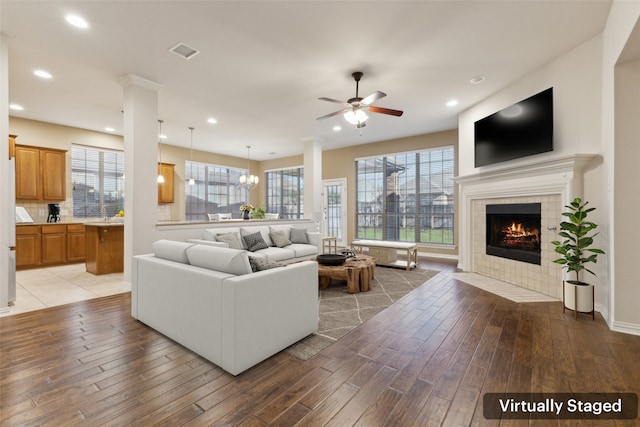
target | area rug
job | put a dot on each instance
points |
(340, 312)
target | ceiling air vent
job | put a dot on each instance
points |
(184, 51)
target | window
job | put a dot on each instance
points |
(285, 191)
(97, 176)
(216, 191)
(406, 197)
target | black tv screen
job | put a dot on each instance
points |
(523, 129)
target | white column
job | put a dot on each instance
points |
(313, 179)
(6, 205)
(141, 167)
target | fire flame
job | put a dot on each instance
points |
(517, 230)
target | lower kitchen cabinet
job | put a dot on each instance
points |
(49, 244)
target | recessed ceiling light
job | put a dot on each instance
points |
(77, 21)
(212, 120)
(477, 80)
(337, 128)
(16, 107)
(109, 129)
(452, 103)
(43, 74)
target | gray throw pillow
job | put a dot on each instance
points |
(279, 238)
(259, 264)
(233, 239)
(299, 235)
(254, 241)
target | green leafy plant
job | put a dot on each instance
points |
(257, 213)
(575, 248)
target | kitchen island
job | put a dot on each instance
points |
(104, 247)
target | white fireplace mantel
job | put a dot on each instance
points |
(561, 176)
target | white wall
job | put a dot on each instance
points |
(621, 92)
(575, 78)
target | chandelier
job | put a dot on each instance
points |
(247, 180)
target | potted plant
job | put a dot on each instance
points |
(257, 213)
(575, 252)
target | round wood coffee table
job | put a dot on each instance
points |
(357, 273)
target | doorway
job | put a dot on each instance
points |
(334, 209)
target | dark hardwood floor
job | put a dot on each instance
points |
(427, 360)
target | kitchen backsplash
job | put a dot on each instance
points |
(39, 210)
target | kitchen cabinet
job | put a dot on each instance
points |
(104, 247)
(75, 243)
(54, 244)
(28, 250)
(40, 173)
(49, 244)
(165, 189)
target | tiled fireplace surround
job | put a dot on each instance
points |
(552, 183)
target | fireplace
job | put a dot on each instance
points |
(513, 231)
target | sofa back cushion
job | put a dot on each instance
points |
(171, 250)
(225, 260)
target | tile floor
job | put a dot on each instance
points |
(48, 287)
(503, 289)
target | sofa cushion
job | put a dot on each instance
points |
(233, 239)
(225, 260)
(254, 241)
(259, 264)
(302, 250)
(276, 254)
(299, 235)
(171, 250)
(285, 228)
(279, 238)
(264, 231)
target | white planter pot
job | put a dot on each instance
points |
(584, 295)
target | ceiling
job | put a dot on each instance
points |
(263, 64)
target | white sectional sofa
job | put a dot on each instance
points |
(208, 299)
(303, 243)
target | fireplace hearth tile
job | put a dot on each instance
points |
(506, 290)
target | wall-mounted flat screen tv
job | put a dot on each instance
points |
(521, 130)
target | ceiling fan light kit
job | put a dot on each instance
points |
(355, 108)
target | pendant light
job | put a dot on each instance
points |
(191, 180)
(160, 176)
(248, 181)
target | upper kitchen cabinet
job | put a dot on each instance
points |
(40, 173)
(165, 189)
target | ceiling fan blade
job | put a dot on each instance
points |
(372, 98)
(333, 100)
(389, 111)
(335, 113)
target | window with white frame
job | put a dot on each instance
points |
(216, 190)
(285, 192)
(406, 197)
(97, 176)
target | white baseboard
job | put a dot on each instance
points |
(627, 328)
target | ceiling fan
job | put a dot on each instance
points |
(354, 109)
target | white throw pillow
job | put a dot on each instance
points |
(279, 238)
(225, 260)
(171, 250)
(233, 239)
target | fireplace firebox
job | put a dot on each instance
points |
(513, 231)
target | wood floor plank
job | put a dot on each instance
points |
(425, 361)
